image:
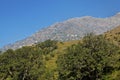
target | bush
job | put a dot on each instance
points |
(47, 46)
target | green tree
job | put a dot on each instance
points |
(47, 46)
(88, 60)
(22, 64)
(0, 52)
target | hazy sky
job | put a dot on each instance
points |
(22, 18)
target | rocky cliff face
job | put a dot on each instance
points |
(72, 29)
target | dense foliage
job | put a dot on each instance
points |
(26, 63)
(91, 59)
(47, 46)
(22, 64)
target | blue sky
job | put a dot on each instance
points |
(21, 18)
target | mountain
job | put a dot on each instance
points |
(71, 29)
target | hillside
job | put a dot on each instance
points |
(71, 29)
(114, 35)
(109, 35)
(51, 60)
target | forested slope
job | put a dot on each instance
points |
(92, 58)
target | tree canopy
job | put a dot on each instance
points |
(91, 59)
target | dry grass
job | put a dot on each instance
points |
(114, 35)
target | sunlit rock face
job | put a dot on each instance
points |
(71, 29)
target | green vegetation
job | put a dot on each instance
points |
(93, 58)
(22, 64)
(26, 63)
(47, 46)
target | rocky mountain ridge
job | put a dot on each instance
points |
(71, 29)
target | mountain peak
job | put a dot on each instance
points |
(118, 13)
